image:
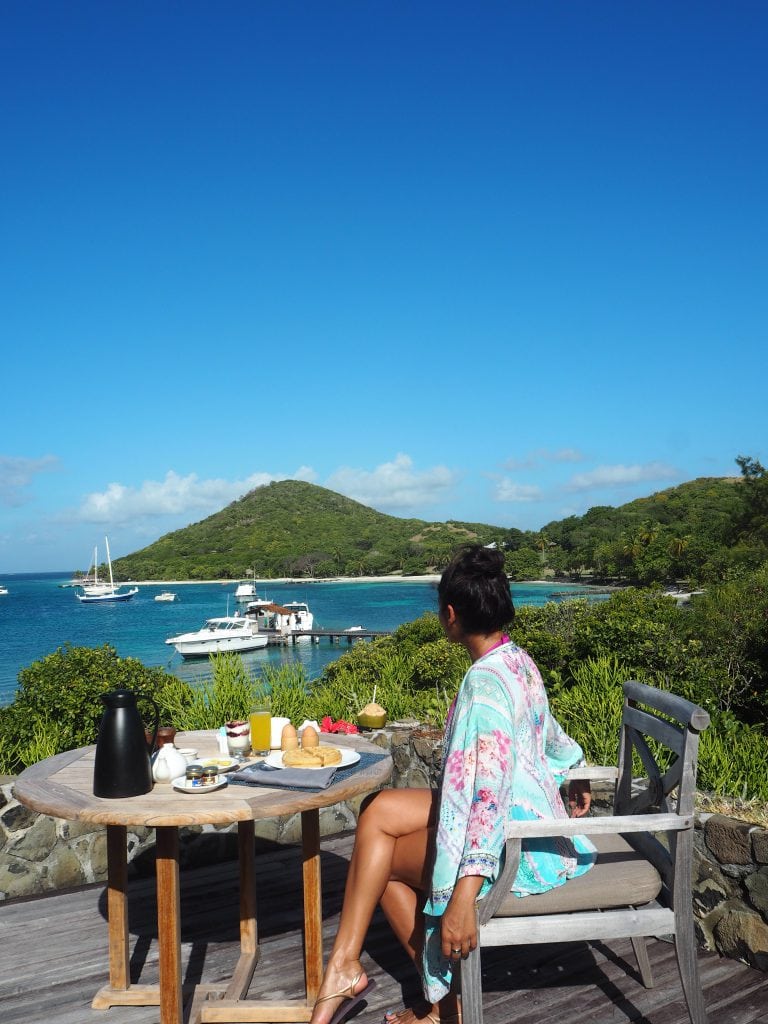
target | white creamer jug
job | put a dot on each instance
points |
(168, 763)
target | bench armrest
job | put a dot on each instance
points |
(593, 772)
(607, 825)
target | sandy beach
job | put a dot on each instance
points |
(431, 578)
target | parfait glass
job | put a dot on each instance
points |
(238, 739)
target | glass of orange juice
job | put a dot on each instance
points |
(261, 729)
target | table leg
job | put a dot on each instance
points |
(313, 904)
(117, 916)
(169, 924)
(231, 1009)
(120, 991)
(117, 906)
(249, 940)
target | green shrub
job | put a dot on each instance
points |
(230, 694)
(733, 758)
(288, 689)
(547, 633)
(412, 635)
(383, 672)
(590, 710)
(439, 663)
(58, 707)
(730, 625)
(362, 666)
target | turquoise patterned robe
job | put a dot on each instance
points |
(505, 758)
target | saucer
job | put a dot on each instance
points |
(184, 785)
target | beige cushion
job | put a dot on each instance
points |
(620, 877)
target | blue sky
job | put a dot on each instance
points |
(496, 262)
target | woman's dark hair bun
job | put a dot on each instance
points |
(488, 561)
(476, 585)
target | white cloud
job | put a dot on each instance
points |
(507, 490)
(16, 474)
(621, 476)
(393, 484)
(568, 455)
(540, 455)
(175, 495)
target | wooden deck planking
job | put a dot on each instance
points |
(54, 957)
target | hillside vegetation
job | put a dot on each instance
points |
(700, 532)
(292, 528)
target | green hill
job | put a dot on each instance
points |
(292, 528)
(701, 531)
(694, 531)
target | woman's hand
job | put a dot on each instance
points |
(579, 797)
(459, 922)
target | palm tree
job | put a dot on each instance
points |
(648, 533)
(633, 546)
(542, 542)
(678, 546)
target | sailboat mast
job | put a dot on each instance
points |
(109, 563)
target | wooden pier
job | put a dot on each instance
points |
(333, 636)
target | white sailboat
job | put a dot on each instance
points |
(99, 591)
(90, 583)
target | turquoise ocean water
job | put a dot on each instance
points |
(37, 615)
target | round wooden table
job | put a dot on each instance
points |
(62, 786)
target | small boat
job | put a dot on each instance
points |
(166, 595)
(98, 591)
(3, 590)
(245, 592)
(225, 633)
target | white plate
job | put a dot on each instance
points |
(275, 759)
(221, 763)
(184, 785)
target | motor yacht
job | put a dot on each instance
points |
(226, 633)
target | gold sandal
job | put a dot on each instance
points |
(351, 998)
(454, 1018)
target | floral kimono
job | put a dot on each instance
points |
(505, 759)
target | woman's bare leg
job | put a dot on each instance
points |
(402, 905)
(392, 843)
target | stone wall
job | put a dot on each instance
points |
(39, 854)
(730, 888)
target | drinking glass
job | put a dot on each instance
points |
(238, 739)
(261, 729)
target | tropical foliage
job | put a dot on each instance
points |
(699, 533)
(297, 529)
(58, 707)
